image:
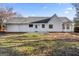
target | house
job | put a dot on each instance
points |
(39, 24)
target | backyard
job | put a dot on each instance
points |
(39, 44)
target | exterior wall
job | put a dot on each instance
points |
(72, 27)
(11, 28)
(25, 28)
(16, 28)
(40, 29)
(57, 27)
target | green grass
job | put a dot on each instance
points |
(33, 35)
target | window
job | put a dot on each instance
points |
(36, 26)
(50, 26)
(30, 25)
(63, 26)
(68, 26)
(43, 26)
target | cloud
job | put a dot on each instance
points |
(70, 8)
(33, 15)
(66, 12)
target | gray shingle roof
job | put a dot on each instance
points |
(43, 21)
(23, 20)
(46, 20)
(64, 19)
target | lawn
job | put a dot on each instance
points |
(39, 44)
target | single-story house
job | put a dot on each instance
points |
(39, 24)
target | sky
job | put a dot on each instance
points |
(42, 9)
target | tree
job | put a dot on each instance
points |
(76, 19)
(5, 13)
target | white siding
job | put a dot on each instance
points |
(38, 29)
(17, 28)
(12, 28)
(57, 27)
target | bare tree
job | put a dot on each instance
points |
(4, 14)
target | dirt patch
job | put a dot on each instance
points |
(63, 36)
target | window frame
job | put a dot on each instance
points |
(43, 25)
(36, 26)
(30, 25)
(68, 26)
(50, 26)
(63, 26)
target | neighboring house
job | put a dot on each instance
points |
(39, 24)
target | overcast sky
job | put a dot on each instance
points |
(43, 9)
